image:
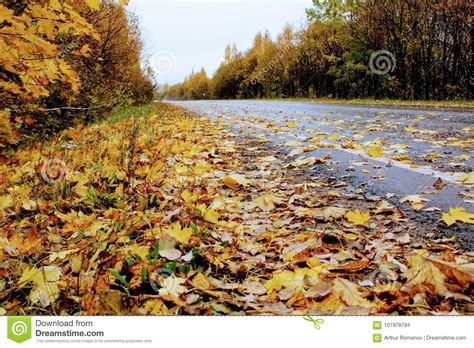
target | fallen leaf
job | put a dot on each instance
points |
(45, 280)
(289, 279)
(254, 287)
(329, 213)
(375, 151)
(349, 293)
(458, 215)
(423, 276)
(182, 235)
(172, 286)
(306, 161)
(321, 289)
(416, 201)
(234, 181)
(358, 218)
(266, 202)
(170, 254)
(200, 282)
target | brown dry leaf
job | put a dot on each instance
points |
(423, 276)
(350, 293)
(234, 181)
(254, 287)
(329, 213)
(354, 266)
(307, 161)
(321, 289)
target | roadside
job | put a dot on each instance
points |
(169, 213)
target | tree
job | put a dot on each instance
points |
(408, 49)
(61, 57)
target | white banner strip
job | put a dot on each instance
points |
(218, 332)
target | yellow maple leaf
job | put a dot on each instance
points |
(306, 161)
(211, 216)
(208, 214)
(202, 167)
(358, 218)
(188, 196)
(45, 280)
(292, 124)
(180, 234)
(375, 151)
(458, 215)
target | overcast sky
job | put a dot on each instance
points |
(182, 35)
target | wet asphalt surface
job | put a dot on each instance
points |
(420, 146)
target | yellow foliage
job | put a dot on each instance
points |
(290, 280)
(358, 218)
(234, 181)
(375, 151)
(458, 215)
(180, 234)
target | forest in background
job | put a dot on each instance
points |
(64, 63)
(397, 49)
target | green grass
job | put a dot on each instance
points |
(132, 111)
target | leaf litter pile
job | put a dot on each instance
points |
(168, 213)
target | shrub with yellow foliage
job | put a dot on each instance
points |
(64, 61)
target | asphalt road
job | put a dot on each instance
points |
(419, 146)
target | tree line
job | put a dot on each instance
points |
(400, 49)
(64, 62)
